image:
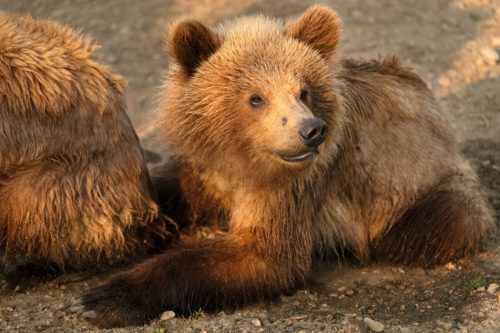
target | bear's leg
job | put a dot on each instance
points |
(447, 222)
(225, 272)
(182, 197)
(20, 274)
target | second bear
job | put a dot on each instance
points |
(74, 189)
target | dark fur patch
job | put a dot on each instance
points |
(190, 43)
(183, 197)
(437, 228)
(28, 275)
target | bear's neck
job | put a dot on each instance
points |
(279, 221)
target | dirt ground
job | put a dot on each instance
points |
(454, 46)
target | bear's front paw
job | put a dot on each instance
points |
(115, 304)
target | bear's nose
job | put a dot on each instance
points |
(312, 132)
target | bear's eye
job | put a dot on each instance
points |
(303, 95)
(256, 100)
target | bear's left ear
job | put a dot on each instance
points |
(190, 43)
(318, 27)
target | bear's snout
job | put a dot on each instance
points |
(312, 132)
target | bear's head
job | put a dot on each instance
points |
(254, 96)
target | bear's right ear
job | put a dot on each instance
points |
(190, 43)
(319, 27)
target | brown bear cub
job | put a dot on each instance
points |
(303, 153)
(74, 188)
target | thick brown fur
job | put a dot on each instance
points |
(387, 183)
(74, 188)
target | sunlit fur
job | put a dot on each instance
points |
(388, 183)
(74, 189)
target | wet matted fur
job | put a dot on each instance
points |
(74, 188)
(246, 107)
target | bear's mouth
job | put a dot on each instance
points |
(296, 158)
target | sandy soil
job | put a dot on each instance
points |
(454, 46)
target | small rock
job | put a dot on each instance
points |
(481, 289)
(445, 325)
(405, 330)
(333, 295)
(167, 315)
(463, 330)
(489, 54)
(349, 292)
(492, 288)
(496, 41)
(256, 322)
(302, 331)
(373, 325)
(450, 266)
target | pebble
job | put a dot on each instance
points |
(492, 288)
(405, 330)
(445, 325)
(167, 315)
(450, 266)
(256, 322)
(489, 54)
(496, 41)
(481, 289)
(373, 325)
